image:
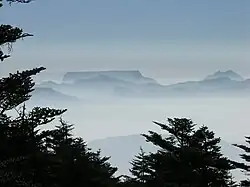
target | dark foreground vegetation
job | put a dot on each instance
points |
(30, 157)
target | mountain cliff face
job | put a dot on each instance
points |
(131, 76)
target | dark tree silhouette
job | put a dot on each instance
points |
(246, 157)
(14, 141)
(187, 157)
(140, 168)
(10, 34)
(41, 158)
(78, 164)
(213, 167)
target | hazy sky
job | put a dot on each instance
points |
(162, 38)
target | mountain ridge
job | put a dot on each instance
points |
(227, 83)
(225, 74)
(47, 95)
(126, 75)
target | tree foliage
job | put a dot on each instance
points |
(34, 157)
(246, 157)
(186, 157)
(140, 168)
(10, 34)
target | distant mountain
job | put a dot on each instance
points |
(204, 85)
(50, 96)
(133, 84)
(102, 83)
(47, 84)
(100, 80)
(212, 86)
(130, 76)
(122, 150)
(225, 74)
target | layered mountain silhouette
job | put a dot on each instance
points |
(134, 76)
(47, 95)
(226, 74)
(134, 84)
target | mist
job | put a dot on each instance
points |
(115, 125)
(228, 117)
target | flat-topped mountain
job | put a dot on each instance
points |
(225, 74)
(134, 76)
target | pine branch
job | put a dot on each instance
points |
(3, 56)
(19, 1)
(15, 1)
(16, 88)
(10, 34)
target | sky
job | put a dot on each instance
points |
(164, 39)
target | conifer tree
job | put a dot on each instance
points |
(78, 164)
(30, 156)
(23, 160)
(187, 157)
(167, 166)
(246, 157)
(213, 167)
(140, 167)
(20, 136)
